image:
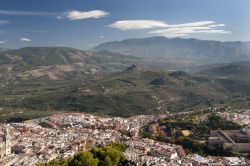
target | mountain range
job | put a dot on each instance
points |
(180, 51)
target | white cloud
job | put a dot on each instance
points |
(216, 25)
(143, 24)
(77, 15)
(59, 17)
(192, 24)
(2, 42)
(2, 22)
(26, 13)
(215, 31)
(179, 30)
(25, 39)
(72, 15)
(206, 27)
(138, 24)
(101, 36)
(171, 30)
(173, 35)
(187, 31)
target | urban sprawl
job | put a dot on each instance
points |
(62, 135)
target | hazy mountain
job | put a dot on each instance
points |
(181, 51)
(3, 49)
(39, 56)
(58, 62)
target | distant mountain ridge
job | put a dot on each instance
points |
(58, 62)
(179, 50)
(3, 49)
(45, 56)
(39, 56)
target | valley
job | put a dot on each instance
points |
(45, 79)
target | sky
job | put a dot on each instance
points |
(83, 24)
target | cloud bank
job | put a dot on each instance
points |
(179, 30)
(171, 30)
(78, 15)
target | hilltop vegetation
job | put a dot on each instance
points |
(109, 155)
(192, 132)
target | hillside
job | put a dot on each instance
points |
(130, 92)
(47, 56)
(188, 52)
(58, 63)
(41, 56)
(41, 79)
(233, 76)
(238, 70)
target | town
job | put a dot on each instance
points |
(62, 135)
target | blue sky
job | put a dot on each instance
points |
(86, 23)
